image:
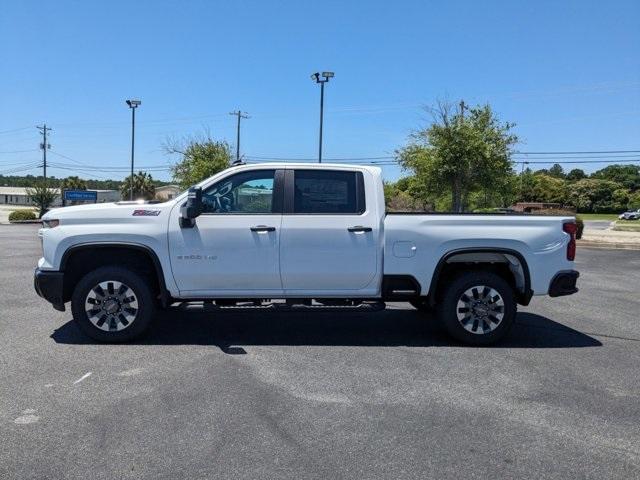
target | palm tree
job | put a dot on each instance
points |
(143, 187)
(42, 196)
(73, 183)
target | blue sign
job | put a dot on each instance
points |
(81, 195)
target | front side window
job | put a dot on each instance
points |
(246, 192)
(326, 191)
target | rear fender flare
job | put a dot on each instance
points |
(524, 296)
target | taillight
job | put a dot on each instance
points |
(571, 229)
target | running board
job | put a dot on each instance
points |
(208, 306)
(367, 307)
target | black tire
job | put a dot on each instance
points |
(144, 298)
(491, 321)
(422, 305)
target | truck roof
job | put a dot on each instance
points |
(309, 165)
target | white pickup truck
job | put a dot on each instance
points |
(298, 236)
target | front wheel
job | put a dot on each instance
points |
(112, 304)
(478, 308)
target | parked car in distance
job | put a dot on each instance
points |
(630, 215)
(298, 237)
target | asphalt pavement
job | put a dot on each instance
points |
(323, 395)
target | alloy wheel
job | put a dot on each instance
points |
(480, 309)
(111, 306)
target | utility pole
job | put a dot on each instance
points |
(240, 115)
(462, 108)
(44, 146)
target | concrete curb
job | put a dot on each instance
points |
(608, 245)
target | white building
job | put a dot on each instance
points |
(167, 192)
(19, 196)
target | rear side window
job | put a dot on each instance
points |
(328, 191)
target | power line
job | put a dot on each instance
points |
(76, 162)
(391, 157)
(17, 164)
(20, 169)
(20, 151)
(110, 169)
(577, 153)
(68, 158)
(81, 170)
(15, 130)
(579, 157)
(562, 162)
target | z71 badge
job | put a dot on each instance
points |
(146, 213)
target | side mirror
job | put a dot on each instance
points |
(192, 209)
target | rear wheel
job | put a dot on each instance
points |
(112, 304)
(478, 308)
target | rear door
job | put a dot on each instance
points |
(329, 244)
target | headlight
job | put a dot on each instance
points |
(50, 223)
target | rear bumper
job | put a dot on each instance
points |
(564, 283)
(49, 285)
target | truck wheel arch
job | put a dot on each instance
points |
(149, 255)
(491, 255)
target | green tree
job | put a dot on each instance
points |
(503, 194)
(626, 175)
(200, 159)
(576, 174)
(142, 184)
(391, 190)
(407, 195)
(548, 189)
(556, 171)
(596, 195)
(459, 154)
(42, 196)
(526, 182)
(73, 183)
(619, 199)
(634, 201)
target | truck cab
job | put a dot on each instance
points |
(265, 232)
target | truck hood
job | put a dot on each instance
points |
(101, 212)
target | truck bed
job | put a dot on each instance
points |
(415, 242)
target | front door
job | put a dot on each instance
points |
(233, 249)
(330, 238)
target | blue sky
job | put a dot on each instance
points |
(567, 73)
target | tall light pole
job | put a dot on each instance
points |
(325, 78)
(240, 115)
(133, 104)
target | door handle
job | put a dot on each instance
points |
(262, 229)
(359, 229)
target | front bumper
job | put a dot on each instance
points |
(49, 285)
(564, 283)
